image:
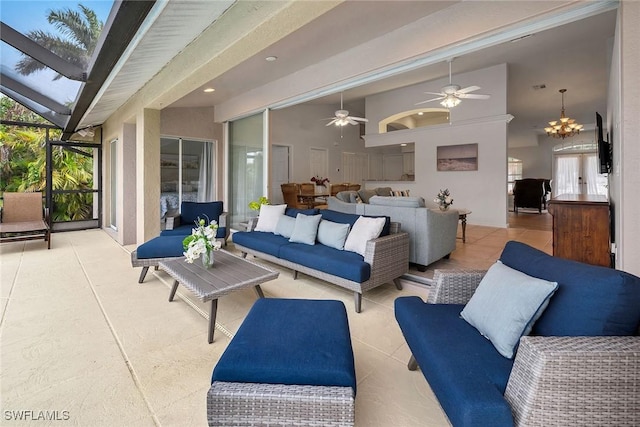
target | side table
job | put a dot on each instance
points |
(462, 216)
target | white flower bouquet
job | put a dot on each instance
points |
(444, 199)
(201, 241)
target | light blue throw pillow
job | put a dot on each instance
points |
(285, 226)
(305, 229)
(332, 234)
(506, 305)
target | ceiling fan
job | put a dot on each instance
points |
(342, 117)
(451, 95)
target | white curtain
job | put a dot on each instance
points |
(567, 175)
(206, 179)
(591, 173)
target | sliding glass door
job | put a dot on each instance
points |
(246, 166)
(187, 173)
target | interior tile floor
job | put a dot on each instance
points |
(82, 343)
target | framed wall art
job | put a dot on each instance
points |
(463, 157)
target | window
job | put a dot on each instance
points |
(514, 172)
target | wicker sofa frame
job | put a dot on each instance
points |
(387, 255)
(578, 381)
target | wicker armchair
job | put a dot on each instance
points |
(560, 380)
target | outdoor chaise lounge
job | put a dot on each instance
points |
(22, 217)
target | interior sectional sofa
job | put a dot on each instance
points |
(580, 366)
(383, 259)
(432, 232)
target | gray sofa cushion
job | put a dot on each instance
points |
(347, 196)
(365, 195)
(383, 191)
(406, 202)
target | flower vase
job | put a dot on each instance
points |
(207, 258)
(444, 207)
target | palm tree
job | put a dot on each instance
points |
(79, 32)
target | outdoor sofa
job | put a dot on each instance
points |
(579, 367)
(385, 258)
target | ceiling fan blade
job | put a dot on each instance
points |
(431, 100)
(359, 119)
(469, 89)
(331, 122)
(473, 96)
(435, 93)
(351, 121)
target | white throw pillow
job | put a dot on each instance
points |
(363, 230)
(269, 216)
(506, 305)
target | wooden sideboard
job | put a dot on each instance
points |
(581, 228)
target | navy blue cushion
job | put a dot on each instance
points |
(464, 370)
(347, 218)
(190, 211)
(289, 341)
(185, 230)
(345, 264)
(161, 247)
(293, 212)
(262, 241)
(590, 300)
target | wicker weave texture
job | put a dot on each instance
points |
(576, 381)
(247, 404)
(454, 286)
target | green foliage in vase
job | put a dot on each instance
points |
(255, 205)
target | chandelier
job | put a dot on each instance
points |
(565, 126)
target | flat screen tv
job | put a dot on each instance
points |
(604, 149)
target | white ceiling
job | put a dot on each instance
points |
(574, 56)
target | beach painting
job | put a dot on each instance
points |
(462, 157)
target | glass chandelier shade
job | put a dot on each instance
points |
(450, 101)
(565, 127)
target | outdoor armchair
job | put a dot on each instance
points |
(22, 217)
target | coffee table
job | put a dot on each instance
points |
(229, 273)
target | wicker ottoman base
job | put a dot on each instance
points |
(246, 404)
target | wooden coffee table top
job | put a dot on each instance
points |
(229, 272)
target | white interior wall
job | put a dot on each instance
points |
(482, 122)
(623, 113)
(303, 127)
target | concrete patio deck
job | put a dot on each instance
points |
(82, 343)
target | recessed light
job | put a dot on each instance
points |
(209, 90)
(420, 113)
(271, 58)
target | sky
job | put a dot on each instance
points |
(27, 15)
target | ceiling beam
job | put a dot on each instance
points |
(30, 48)
(33, 95)
(59, 121)
(115, 38)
